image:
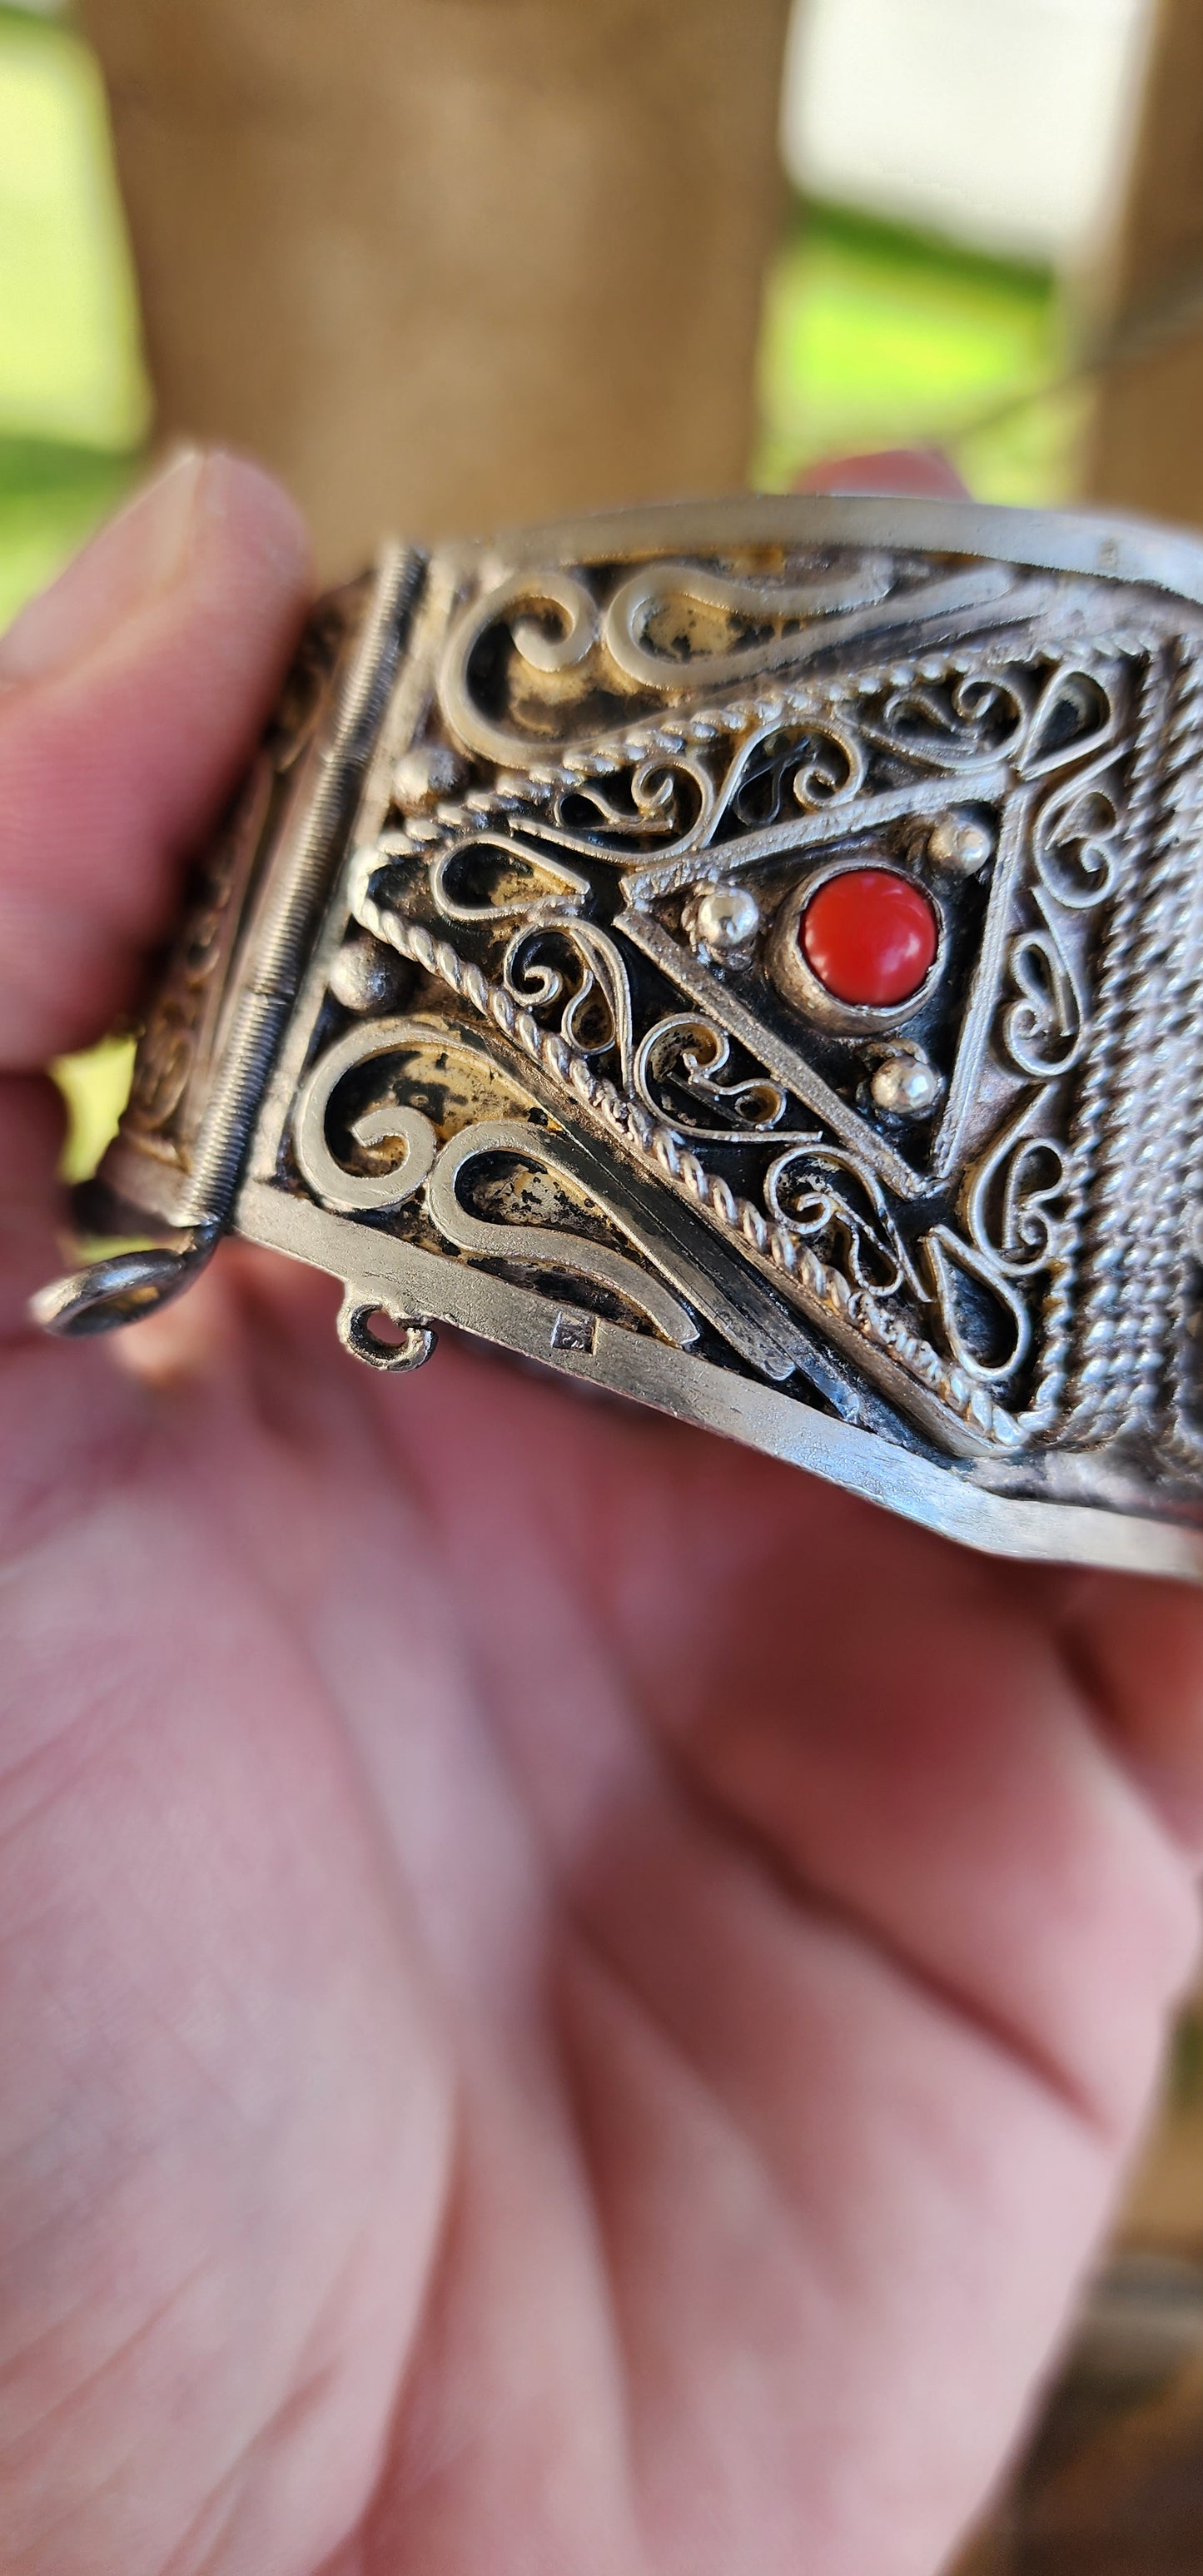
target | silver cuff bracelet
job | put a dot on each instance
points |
(749, 958)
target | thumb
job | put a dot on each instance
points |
(130, 694)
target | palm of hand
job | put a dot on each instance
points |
(569, 2000)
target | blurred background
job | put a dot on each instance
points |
(448, 263)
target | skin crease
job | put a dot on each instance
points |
(572, 2002)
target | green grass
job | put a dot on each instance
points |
(879, 338)
(50, 500)
(74, 406)
(95, 1087)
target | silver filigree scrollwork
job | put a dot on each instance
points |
(1042, 1029)
(1075, 843)
(816, 763)
(410, 1137)
(815, 766)
(553, 635)
(596, 1016)
(1024, 1175)
(418, 1163)
(669, 626)
(1020, 739)
(1015, 1228)
(667, 795)
(669, 596)
(1074, 718)
(498, 856)
(813, 615)
(949, 1259)
(547, 1247)
(686, 1054)
(968, 721)
(1075, 855)
(821, 1193)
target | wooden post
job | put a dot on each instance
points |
(450, 263)
(1145, 448)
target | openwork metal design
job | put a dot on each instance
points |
(749, 958)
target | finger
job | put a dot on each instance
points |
(924, 473)
(914, 1939)
(889, 1715)
(1137, 1648)
(130, 694)
(31, 1135)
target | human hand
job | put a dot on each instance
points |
(571, 2002)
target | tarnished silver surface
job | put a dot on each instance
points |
(496, 1001)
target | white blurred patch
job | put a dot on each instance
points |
(1002, 123)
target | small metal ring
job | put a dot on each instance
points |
(355, 1333)
(122, 1288)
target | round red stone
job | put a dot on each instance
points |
(870, 937)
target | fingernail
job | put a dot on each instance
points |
(139, 553)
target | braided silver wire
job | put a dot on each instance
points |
(1132, 1129)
